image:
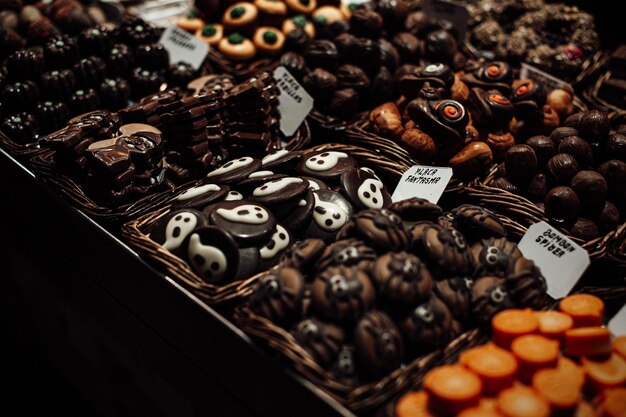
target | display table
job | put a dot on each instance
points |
(131, 340)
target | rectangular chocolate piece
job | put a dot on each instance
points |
(250, 139)
(108, 160)
(64, 138)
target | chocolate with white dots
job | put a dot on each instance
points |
(200, 196)
(365, 190)
(171, 230)
(325, 164)
(250, 224)
(212, 253)
(233, 171)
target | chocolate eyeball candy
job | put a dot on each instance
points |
(199, 196)
(278, 296)
(347, 252)
(321, 340)
(490, 108)
(496, 75)
(234, 171)
(249, 223)
(428, 326)
(477, 222)
(416, 209)
(528, 98)
(331, 212)
(445, 250)
(402, 277)
(212, 253)
(378, 343)
(326, 165)
(171, 230)
(489, 296)
(445, 120)
(493, 256)
(342, 294)
(561, 168)
(562, 205)
(455, 293)
(382, 229)
(364, 190)
(525, 284)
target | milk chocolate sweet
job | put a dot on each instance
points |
(342, 294)
(455, 293)
(305, 255)
(401, 277)
(489, 296)
(428, 326)
(493, 256)
(381, 228)
(347, 252)
(445, 250)
(525, 284)
(364, 190)
(477, 222)
(416, 209)
(212, 253)
(379, 345)
(278, 296)
(170, 231)
(249, 223)
(321, 340)
(200, 196)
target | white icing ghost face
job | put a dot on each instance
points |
(275, 186)
(208, 261)
(371, 171)
(279, 242)
(370, 193)
(245, 213)
(197, 191)
(274, 156)
(313, 185)
(178, 228)
(260, 174)
(233, 196)
(231, 166)
(433, 68)
(324, 161)
(328, 216)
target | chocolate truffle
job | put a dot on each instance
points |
(440, 46)
(152, 56)
(561, 168)
(83, 100)
(323, 54)
(297, 40)
(114, 93)
(544, 148)
(407, 46)
(584, 229)
(89, 72)
(366, 23)
(595, 126)
(608, 219)
(379, 345)
(390, 57)
(294, 63)
(321, 84)
(477, 222)
(21, 128)
(520, 163)
(342, 294)
(96, 40)
(351, 76)
(344, 103)
(591, 189)
(321, 340)
(538, 187)
(525, 284)
(58, 84)
(614, 172)
(119, 60)
(24, 64)
(278, 296)
(489, 296)
(402, 277)
(23, 95)
(574, 120)
(579, 149)
(560, 133)
(428, 326)
(144, 82)
(562, 205)
(51, 115)
(180, 74)
(615, 147)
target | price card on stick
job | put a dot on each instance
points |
(294, 103)
(183, 46)
(423, 182)
(561, 260)
(617, 325)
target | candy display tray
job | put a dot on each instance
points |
(105, 318)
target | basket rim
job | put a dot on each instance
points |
(28, 150)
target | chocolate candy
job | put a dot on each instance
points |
(489, 108)
(295, 218)
(347, 252)
(520, 162)
(200, 196)
(212, 254)
(579, 149)
(445, 119)
(402, 277)
(279, 243)
(331, 212)
(323, 54)
(321, 340)
(344, 103)
(382, 228)
(170, 231)
(416, 209)
(614, 172)
(326, 165)
(525, 284)
(594, 125)
(477, 222)
(379, 345)
(493, 256)
(562, 205)
(278, 296)
(21, 128)
(528, 98)
(342, 294)
(455, 293)
(592, 189)
(281, 160)
(249, 223)
(428, 326)
(234, 171)
(304, 255)
(364, 189)
(544, 148)
(561, 168)
(489, 296)
(321, 84)
(279, 190)
(445, 250)
(584, 229)
(496, 75)
(344, 368)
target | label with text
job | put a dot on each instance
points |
(617, 325)
(294, 103)
(423, 182)
(541, 77)
(561, 260)
(183, 46)
(453, 11)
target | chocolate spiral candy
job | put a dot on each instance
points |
(445, 120)
(490, 108)
(496, 75)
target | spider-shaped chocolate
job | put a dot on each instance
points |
(445, 250)
(344, 367)
(402, 277)
(444, 120)
(493, 256)
(428, 326)
(489, 296)
(477, 223)
(278, 296)
(381, 228)
(416, 209)
(493, 75)
(526, 284)
(455, 293)
(347, 252)
(490, 108)
(379, 344)
(528, 98)
(342, 294)
(321, 340)
(305, 255)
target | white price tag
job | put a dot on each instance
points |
(183, 46)
(617, 325)
(423, 182)
(541, 77)
(561, 260)
(294, 103)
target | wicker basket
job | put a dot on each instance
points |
(218, 63)
(135, 233)
(19, 151)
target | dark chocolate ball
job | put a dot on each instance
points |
(561, 168)
(562, 205)
(615, 147)
(297, 40)
(614, 172)
(366, 54)
(591, 188)
(584, 229)
(574, 120)
(321, 84)
(538, 187)
(608, 219)
(520, 162)
(294, 63)
(389, 55)
(503, 183)
(366, 23)
(561, 133)
(323, 54)
(351, 76)
(407, 45)
(579, 149)
(544, 148)
(344, 103)
(595, 126)
(382, 88)
(440, 46)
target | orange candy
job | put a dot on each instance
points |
(480, 412)
(496, 367)
(554, 324)
(519, 401)
(619, 346)
(452, 389)
(586, 310)
(588, 341)
(413, 404)
(534, 352)
(510, 324)
(613, 403)
(604, 373)
(560, 387)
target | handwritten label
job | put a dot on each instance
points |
(617, 325)
(294, 103)
(561, 260)
(454, 12)
(183, 46)
(541, 77)
(423, 182)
